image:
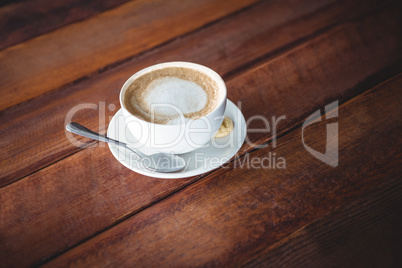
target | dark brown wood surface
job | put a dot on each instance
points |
(233, 213)
(107, 84)
(61, 205)
(78, 50)
(23, 20)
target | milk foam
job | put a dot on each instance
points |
(165, 95)
(186, 96)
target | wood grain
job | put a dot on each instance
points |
(23, 20)
(231, 215)
(231, 50)
(82, 195)
(43, 212)
(363, 233)
(77, 50)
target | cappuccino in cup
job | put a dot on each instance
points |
(163, 95)
(173, 107)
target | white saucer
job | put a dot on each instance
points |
(211, 156)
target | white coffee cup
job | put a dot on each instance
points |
(180, 138)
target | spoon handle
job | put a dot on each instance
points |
(83, 131)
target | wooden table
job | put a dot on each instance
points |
(62, 205)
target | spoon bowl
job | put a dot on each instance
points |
(163, 162)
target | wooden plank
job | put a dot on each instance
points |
(55, 59)
(79, 185)
(23, 20)
(230, 50)
(90, 191)
(363, 233)
(231, 215)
